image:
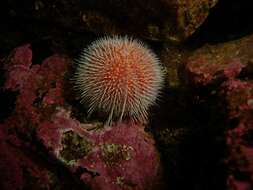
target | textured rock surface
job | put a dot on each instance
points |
(239, 96)
(24, 161)
(172, 20)
(119, 157)
(173, 58)
(227, 70)
(216, 62)
(42, 126)
(19, 169)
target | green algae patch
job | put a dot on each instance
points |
(74, 146)
(114, 153)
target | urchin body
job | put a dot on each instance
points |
(118, 76)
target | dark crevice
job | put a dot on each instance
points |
(7, 102)
(228, 20)
(193, 147)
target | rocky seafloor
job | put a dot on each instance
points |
(199, 135)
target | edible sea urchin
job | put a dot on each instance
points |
(118, 76)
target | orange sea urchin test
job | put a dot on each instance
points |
(118, 76)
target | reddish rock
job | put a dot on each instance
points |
(230, 64)
(18, 67)
(217, 62)
(20, 167)
(19, 170)
(234, 184)
(122, 156)
(239, 95)
(35, 82)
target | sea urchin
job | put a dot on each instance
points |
(118, 76)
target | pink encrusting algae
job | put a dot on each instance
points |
(119, 76)
(236, 91)
(42, 136)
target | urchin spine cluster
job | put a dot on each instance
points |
(119, 76)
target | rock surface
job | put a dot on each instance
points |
(226, 69)
(171, 20)
(43, 130)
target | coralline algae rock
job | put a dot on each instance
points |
(119, 157)
(212, 63)
(228, 69)
(239, 95)
(18, 169)
(39, 86)
(21, 167)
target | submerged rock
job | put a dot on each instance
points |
(239, 96)
(212, 63)
(19, 170)
(226, 69)
(43, 125)
(117, 157)
(170, 20)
